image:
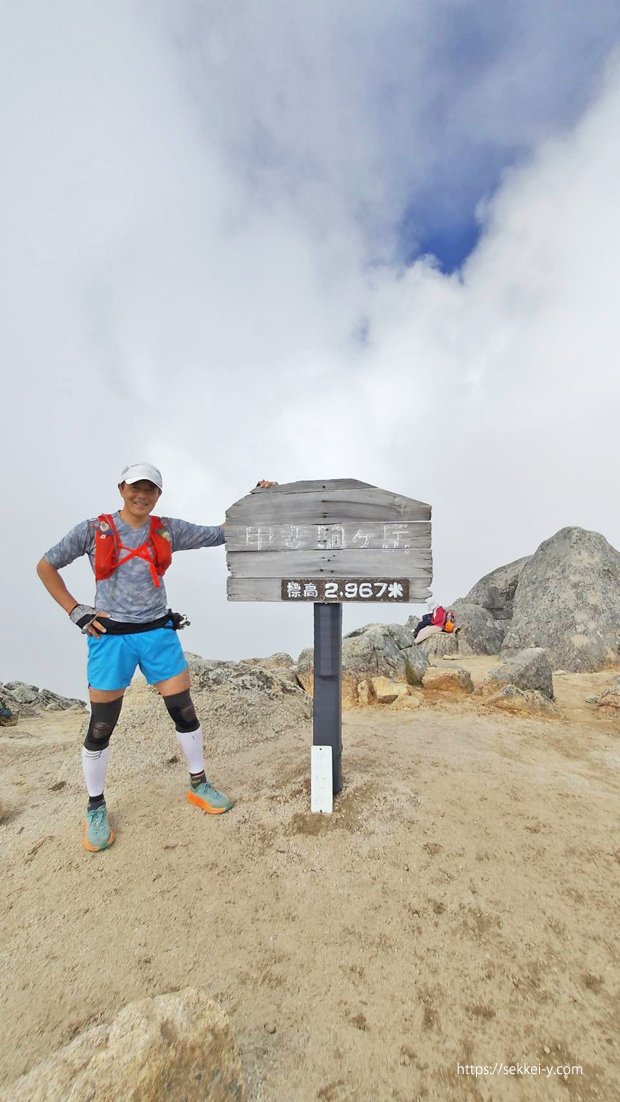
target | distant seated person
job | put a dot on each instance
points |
(440, 618)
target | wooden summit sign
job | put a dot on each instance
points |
(334, 532)
(330, 543)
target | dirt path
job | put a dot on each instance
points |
(459, 907)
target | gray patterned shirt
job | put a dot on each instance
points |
(130, 595)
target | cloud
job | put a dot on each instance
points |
(359, 113)
(180, 286)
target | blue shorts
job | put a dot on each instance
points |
(112, 659)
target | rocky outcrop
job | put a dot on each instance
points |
(529, 670)
(244, 679)
(177, 1046)
(280, 660)
(495, 592)
(29, 700)
(376, 650)
(568, 601)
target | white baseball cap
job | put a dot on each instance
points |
(137, 471)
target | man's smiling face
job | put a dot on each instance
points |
(140, 498)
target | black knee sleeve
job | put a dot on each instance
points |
(182, 711)
(103, 720)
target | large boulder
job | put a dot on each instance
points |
(530, 670)
(178, 1046)
(376, 650)
(478, 631)
(495, 592)
(435, 643)
(568, 601)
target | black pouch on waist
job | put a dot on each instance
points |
(117, 627)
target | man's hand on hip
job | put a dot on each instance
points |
(87, 619)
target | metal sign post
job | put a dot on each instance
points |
(328, 543)
(327, 699)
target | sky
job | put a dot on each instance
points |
(282, 241)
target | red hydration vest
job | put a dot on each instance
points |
(156, 549)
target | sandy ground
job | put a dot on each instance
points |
(459, 906)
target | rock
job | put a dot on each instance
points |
(32, 701)
(274, 661)
(171, 1047)
(243, 678)
(364, 693)
(404, 703)
(435, 643)
(454, 679)
(376, 650)
(478, 631)
(528, 670)
(386, 691)
(522, 701)
(568, 601)
(23, 694)
(609, 698)
(495, 592)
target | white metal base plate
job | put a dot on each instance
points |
(321, 782)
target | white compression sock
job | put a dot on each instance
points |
(191, 745)
(94, 765)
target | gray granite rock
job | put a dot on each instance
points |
(529, 670)
(568, 601)
(478, 631)
(495, 592)
(376, 650)
(528, 702)
(30, 700)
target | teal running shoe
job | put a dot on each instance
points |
(208, 799)
(98, 833)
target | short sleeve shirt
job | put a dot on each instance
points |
(130, 594)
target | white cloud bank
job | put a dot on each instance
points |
(155, 305)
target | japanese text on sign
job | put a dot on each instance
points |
(345, 589)
(330, 537)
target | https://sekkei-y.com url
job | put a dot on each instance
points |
(545, 1071)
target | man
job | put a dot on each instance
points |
(129, 626)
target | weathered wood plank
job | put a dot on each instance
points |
(311, 485)
(269, 589)
(299, 537)
(325, 507)
(354, 564)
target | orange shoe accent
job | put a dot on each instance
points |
(97, 849)
(203, 805)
